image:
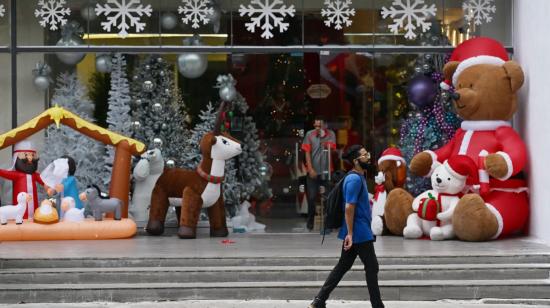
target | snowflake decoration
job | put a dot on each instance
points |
(128, 9)
(195, 11)
(268, 13)
(478, 10)
(338, 13)
(2, 10)
(52, 12)
(409, 12)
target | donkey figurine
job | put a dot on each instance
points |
(200, 188)
(100, 205)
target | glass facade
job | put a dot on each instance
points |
(355, 77)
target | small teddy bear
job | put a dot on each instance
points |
(392, 172)
(434, 208)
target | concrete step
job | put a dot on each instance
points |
(268, 261)
(415, 290)
(270, 273)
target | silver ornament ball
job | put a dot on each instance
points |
(157, 107)
(157, 142)
(88, 13)
(147, 67)
(170, 164)
(70, 58)
(104, 64)
(168, 21)
(42, 82)
(136, 125)
(192, 65)
(228, 93)
(148, 86)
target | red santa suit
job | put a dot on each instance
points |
(507, 198)
(23, 182)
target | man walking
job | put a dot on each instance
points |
(356, 232)
(317, 144)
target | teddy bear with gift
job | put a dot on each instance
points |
(434, 208)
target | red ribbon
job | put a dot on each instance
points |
(379, 188)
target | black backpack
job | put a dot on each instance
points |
(333, 213)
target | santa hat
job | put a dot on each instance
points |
(392, 154)
(22, 146)
(462, 167)
(479, 50)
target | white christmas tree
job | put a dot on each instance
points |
(87, 153)
(251, 159)
(159, 113)
(118, 116)
(191, 154)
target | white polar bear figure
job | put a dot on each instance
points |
(245, 220)
(70, 212)
(15, 212)
(146, 173)
(448, 184)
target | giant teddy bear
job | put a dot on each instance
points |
(485, 83)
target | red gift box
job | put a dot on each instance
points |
(429, 208)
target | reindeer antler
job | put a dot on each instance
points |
(217, 124)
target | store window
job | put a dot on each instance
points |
(355, 73)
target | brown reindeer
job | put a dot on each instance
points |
(200, 188)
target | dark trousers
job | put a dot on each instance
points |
(368, 257)
(312, 189)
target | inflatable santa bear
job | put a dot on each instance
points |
(485, 83)
(392, 173)
(23, 174)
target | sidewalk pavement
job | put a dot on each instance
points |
(290, 304)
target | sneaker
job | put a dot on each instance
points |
(317, 303)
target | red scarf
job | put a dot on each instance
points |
(439, 195)
(379, 188)
(208, 177)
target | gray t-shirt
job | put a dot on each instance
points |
(317, 143)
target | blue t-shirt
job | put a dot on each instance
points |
(354, 194)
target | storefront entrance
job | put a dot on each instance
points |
(285, 93)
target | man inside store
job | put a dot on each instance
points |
(318, 144)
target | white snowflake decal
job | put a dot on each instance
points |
(2, 10)
(478, 10)
(338, 13)
(409, 12)
(52, 12)
(131, 9)
(268, 13)
(195, 11)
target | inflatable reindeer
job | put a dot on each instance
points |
(200, 188)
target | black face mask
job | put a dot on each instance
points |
(24, 166)
(363, 165)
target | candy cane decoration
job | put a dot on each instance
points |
(483, 175)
